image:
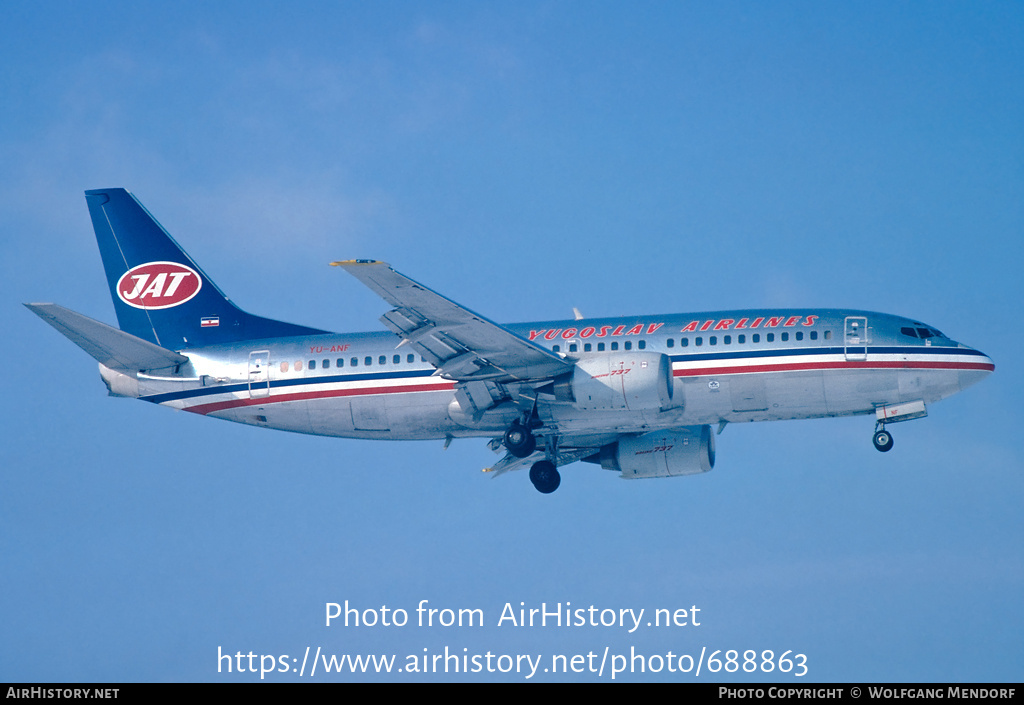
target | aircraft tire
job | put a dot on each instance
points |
(519, 441)
(883, 441)
(544, 476)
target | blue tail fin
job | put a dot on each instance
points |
(159, 293)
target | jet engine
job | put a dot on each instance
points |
(628, 380)
(678, 451)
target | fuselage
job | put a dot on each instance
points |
(726, 366)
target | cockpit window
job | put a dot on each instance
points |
(923, 333)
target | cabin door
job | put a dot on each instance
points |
(259, 374)
(856, 338)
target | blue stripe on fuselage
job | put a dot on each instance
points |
(686, 357)
(284, 383)
(834, 350)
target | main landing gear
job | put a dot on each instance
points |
(882, 439)
(544, 476)
(520, 442)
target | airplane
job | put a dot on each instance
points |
(636, 395)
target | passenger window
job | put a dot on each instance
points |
(284, 366)
(410, 359)
(354, 362)
(587, 347)
(684, 342)
(298, 365)
(741, 339)
(770, 338)
(367, 360)
(326, 365)
(799, 335)
(785, 337)
(699, 341)
(714, 340)
(828, 335)
(628, 345)
(814, 335)
(312, 364)
(642, 345)
(572, 347)
(615, 346)
(727, 339)
(340, 362)
(382, 360)
(670, 343)
(755, 338)
(555, 348)
(396, 359)
(600, 347)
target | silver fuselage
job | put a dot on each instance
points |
(727, 366)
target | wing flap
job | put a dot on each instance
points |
(463, 345)
(563, 457)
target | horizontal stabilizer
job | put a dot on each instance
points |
(111, 347)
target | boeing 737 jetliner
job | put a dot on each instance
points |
(635, 395)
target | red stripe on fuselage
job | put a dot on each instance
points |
(323, 394)
(844, 365)
(204, 409)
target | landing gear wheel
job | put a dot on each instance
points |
(883, 440)
(544, 476)
(519, 440)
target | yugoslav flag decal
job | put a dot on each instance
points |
(158, 285)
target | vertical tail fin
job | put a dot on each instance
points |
(160, 294)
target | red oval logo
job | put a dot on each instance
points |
(158, 285)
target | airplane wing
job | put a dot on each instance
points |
(463, 345)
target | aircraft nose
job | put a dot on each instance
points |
(978, 367)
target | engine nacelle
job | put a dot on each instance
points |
(679, 451)
(626, 380)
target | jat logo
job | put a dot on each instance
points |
(158, 285)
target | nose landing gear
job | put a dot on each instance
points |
(882, 439)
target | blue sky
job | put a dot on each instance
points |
(522, 159)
